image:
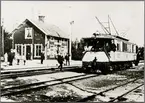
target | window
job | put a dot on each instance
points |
(38, 49)
(118, 47)
(124, 47)
(64, 43)
(28, 33)
(129, 48)
(132, 48)
(23, 50)
(19, 49)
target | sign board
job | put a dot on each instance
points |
(28, 33)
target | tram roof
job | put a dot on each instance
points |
(103, 36)
(106, 36)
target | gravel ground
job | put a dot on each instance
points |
(136, 95)
(104, 82)
(67, 92)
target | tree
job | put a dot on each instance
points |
(77, 50)
(141, 53)
(7, 41)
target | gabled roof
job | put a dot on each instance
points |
(47, 29)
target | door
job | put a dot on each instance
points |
(28, 52)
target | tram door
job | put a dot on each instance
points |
(28, 52)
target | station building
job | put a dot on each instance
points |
(34, 36)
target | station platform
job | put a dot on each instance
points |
(36, 64)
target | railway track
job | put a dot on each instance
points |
(31, 72)
(120, 96)
(34, 86)
(111, 99)
(38, 85)
(6, 71)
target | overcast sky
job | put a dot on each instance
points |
(127, 16)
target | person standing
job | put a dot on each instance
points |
(94, 64)
(60, 61)
(18, 58)
(11, 56)
(6, 58)
(42, 57)
(24, 59)
(67, 59)
(137, 59)
(113, 46)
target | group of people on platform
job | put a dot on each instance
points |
(59, 58)
(10, 56)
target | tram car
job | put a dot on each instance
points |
(107, 53)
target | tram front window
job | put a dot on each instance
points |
(100, 44)
(97, 46)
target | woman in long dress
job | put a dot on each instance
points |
(6, 58)
(17, 58)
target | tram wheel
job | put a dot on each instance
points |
(105, 69)
(84, 69)
(136, 63)
(87, 70)
(130, 65)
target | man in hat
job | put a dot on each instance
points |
(60, 61)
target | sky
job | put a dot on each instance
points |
(127, 16)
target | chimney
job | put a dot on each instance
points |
(41, 18)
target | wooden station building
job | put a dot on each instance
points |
(32, 37)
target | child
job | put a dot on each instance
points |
(24, 59)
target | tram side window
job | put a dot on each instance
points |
(118, 47)
(124, 47)
(132, 48)
(128, 48)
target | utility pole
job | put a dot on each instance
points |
(2, 37)
(70, 36)
(71, 23)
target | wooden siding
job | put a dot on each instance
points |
(38, 38)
